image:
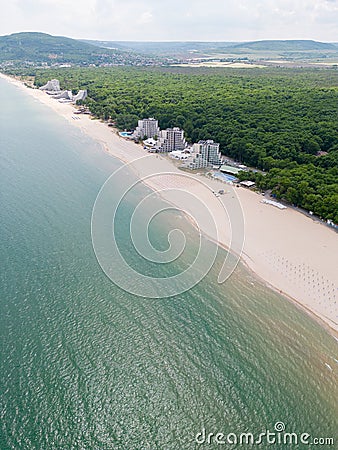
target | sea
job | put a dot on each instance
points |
(85, 364)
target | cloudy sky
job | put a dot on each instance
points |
(168, 20)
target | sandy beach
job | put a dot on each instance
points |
(292, 253)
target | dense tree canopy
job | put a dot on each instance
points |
(276, 120)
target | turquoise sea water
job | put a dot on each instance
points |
(85, 365)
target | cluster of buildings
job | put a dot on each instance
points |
(201, 155)
(52, 87)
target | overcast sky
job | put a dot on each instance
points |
(170, 20)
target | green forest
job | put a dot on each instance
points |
(28, 49)
(281, 121)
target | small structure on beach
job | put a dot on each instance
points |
(247, 183)
(229, 169)
(273, 203)
(179, 154)
(151, 142)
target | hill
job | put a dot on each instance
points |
(44, 48)
(257, 50)
(287, 45)
(40, 48)
(177, 48)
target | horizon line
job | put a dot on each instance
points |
(174, 41)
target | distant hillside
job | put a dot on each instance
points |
(288, 45)
(164, 48)
(42, 48)
(298, 49)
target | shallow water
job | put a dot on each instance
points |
(86, 365)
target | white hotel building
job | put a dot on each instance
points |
(147, 128)
(205, 153)
(171, 139)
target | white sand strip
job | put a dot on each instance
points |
(294, 254)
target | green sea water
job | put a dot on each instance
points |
(85, 365)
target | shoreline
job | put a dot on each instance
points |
(290, 252)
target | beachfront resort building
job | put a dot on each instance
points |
(205, 154)
(80, 96)
(209, 150)
(171, 139)
(147, 128)
(51, 86)
(197, 162)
